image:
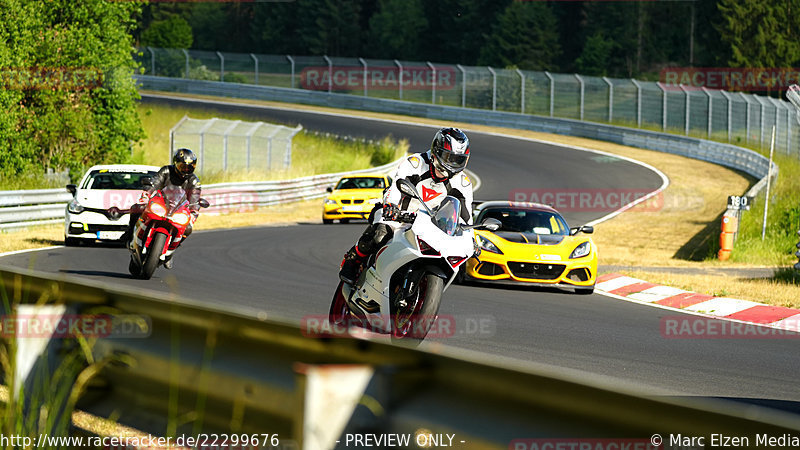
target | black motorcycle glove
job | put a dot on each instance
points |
(391, 211)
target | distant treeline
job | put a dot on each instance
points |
(619, 39)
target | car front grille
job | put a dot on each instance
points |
(76, 227)
(538, 271)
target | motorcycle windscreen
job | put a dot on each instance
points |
(446, 216)
(174, 196)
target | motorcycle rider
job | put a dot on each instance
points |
(179, 174)
(437, 173)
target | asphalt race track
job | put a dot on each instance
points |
(290, 272)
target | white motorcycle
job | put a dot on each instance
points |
(399, 291)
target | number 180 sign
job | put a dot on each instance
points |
(739, 202)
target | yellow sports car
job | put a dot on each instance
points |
(354, 197)
(533, 246)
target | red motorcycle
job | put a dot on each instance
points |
(159, 229)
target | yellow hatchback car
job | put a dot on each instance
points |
(533, 246)
(354, 197)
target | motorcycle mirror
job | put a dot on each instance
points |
(72, 189)
(114, 213)
(203, 203)
(491, 224)
(146, 181)
(407, 188)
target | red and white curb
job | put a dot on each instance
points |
(627, 288)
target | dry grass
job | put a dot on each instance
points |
(764, 290)
(35, 237)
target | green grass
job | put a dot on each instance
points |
(783, 221)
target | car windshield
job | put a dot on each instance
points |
(107, 179)
(446, 215)
(361, 183)
(526, 221)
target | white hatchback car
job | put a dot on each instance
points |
(103, 187)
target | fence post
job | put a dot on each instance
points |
(710, 106)
(291, 61)
(777, 104)
(728, 99)
(522, 91)
(287, 158)
(463, 85)
(186, 57)
(249, 137)
(400, 79)
(686, 118)
(172, 135)
(275, 131)
(433, 84)
(610, 99)
(330, 73)
(221, 66)
(494, 88)
(152, 60)
(761, 137)
(225, 143)
(202, 134)
(552, 91)
(663, 106)
(746, 117)
(255, 66)
(638, 103)
(364, 63)
(583, 93)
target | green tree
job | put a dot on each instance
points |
(524, 35)
(761, 34)
(395, 31)
(330, 27)
(78, 106)
(595, 55)
(173, 32)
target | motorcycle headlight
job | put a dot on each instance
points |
(487, 245)
(581, 250)
(157, 209)
(74, 207)
(180, 218)
(329, 201)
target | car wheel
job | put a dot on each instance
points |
(327, 221)
(71, 241)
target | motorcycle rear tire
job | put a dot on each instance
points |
(424, 314)
(153, 255)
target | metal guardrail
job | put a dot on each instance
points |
(205, 369)
(728, 155)
(19, 209)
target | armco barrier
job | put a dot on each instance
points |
(209, 369)
(20, 209)
(727, 155)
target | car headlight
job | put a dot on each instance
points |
(487, 245)
(74, 207)
(329, 201)
(581, 250)
(180, 218)
(157, 209)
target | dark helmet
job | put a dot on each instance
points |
(450, 151)
(184, 162)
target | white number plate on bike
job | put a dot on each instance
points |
(109, 234)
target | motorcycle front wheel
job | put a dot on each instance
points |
(339, 309)
(413, 323)
(153, 255)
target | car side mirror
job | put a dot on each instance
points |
(588, 229)
(72, 189)
(329, 189)
(146, 182)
